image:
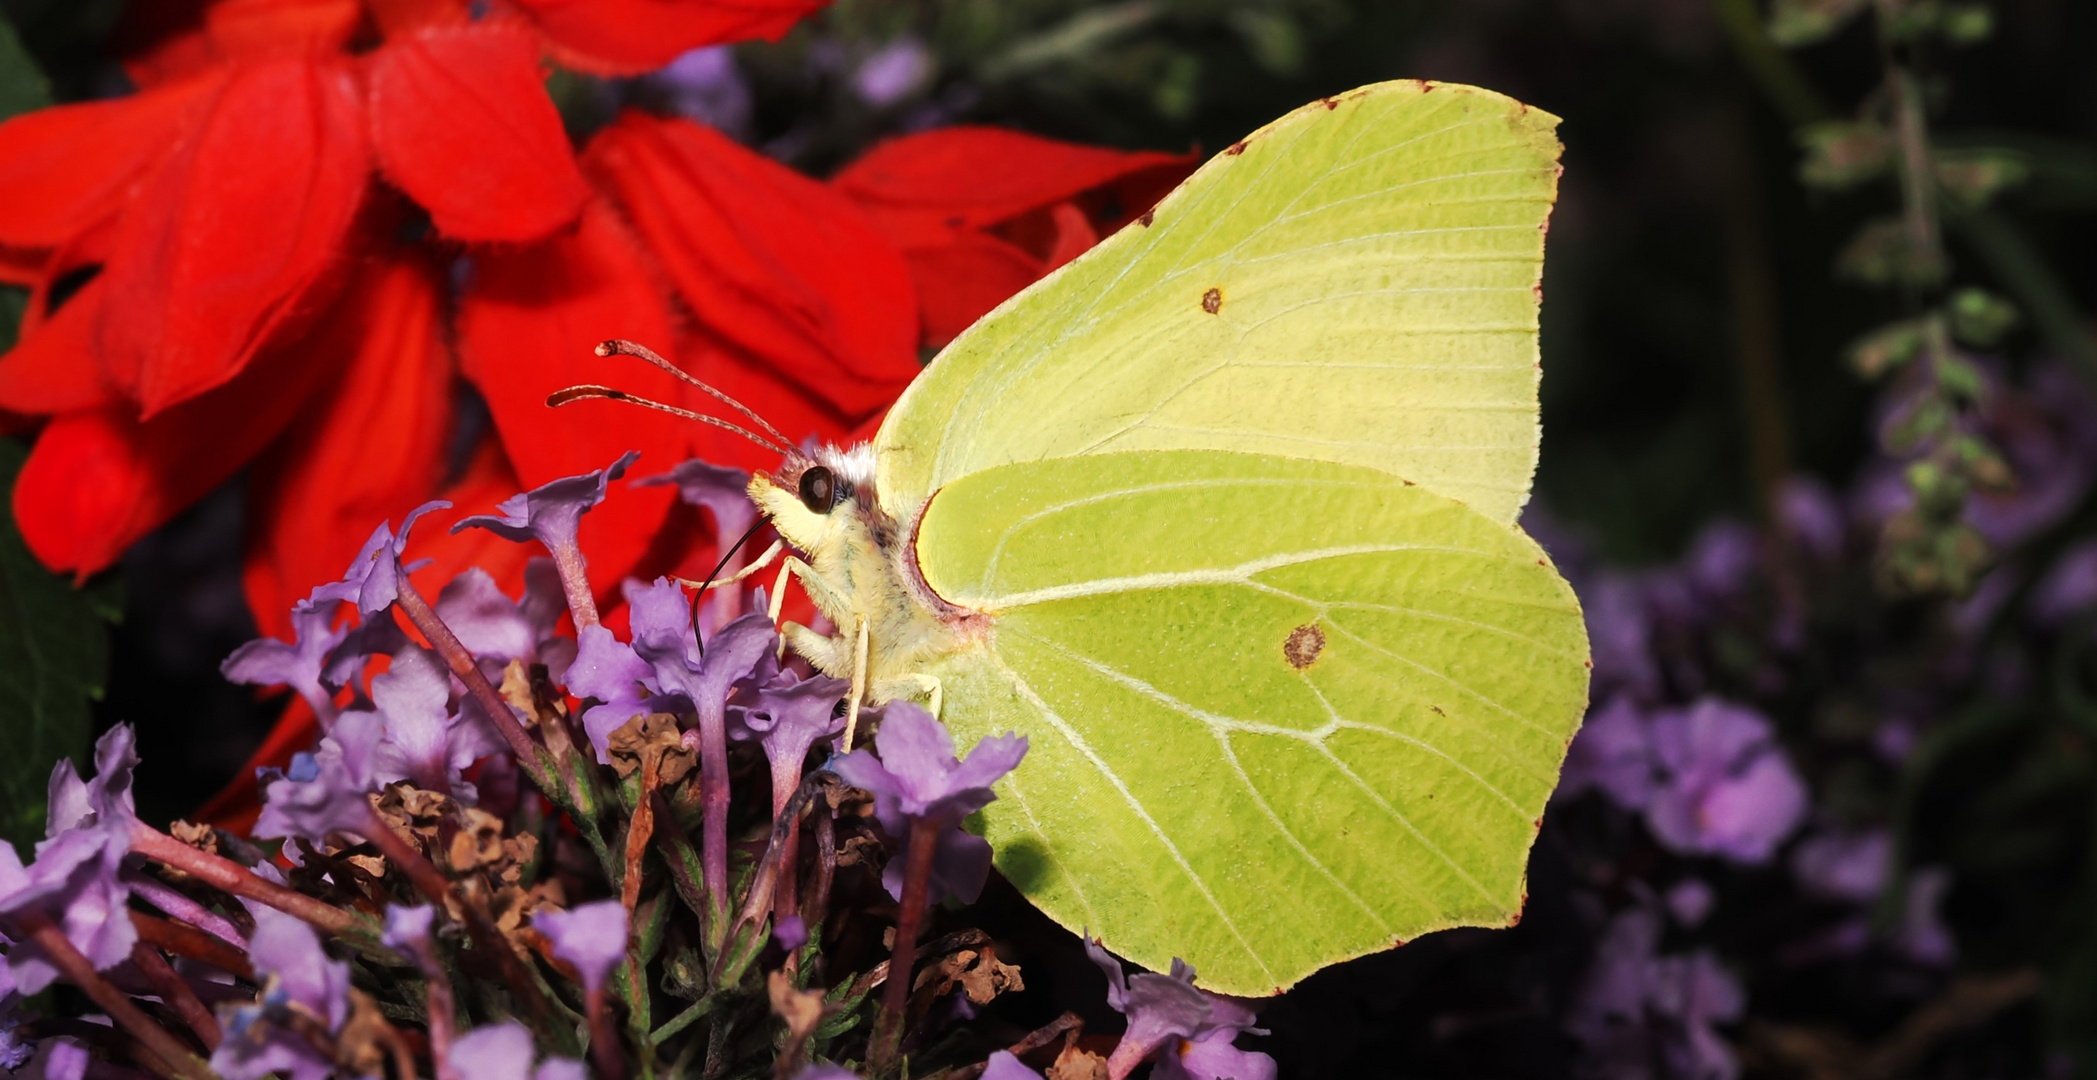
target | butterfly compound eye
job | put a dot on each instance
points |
(818, 489)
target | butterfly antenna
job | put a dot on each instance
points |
(716, 572)
(577, 393)
(618, 347)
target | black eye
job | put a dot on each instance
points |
(818, 489)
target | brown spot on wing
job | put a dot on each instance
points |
(1235, 149)
(1302, 646)
(1145, 220)
(1212, 301)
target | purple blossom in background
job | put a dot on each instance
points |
(1186, 1032)
(408, 929)
(791, 933)
(324, 791)
(1844, 866)
(828, 1071)
(1721, 562)
(2044, 435)
(1620, 634)
(706, 85)
(551, 514)
(74, 880)
(592, 937)
(2069, 586)
(1636, 1007)
(299, 976)
(504, 1052)
(301, 665)
(1922, 934)
(1811, 517)
(1690, 901)
(1724, 787)
(917, 778)
(372, 581)
(1610, 755)
(894, 72)
(15, 1048)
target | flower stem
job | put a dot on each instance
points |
(639, 828)
(191, 944)
(181, 906)
(910, 919)
(176, 993)
(604, 1038)
(713, 822)
(78, 971)
(224, 873)
(582, 605)
(530, 755)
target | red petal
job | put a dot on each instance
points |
(253, 28)
(527, 326)
(98, 480)
(1074, 235)
(461, 121)
(768, 392)
(627, 37)
(959, 281)
(66, 168)
(771, 262)
(975, 177)
(53, 369)
(235, 236)
(368, 448)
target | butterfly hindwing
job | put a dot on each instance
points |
(1356, 282)
(1281, 712)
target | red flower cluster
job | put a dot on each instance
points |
(315, 215)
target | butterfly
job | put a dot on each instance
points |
(1221, 516)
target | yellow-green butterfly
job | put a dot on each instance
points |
(1220, 516)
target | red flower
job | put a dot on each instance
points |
(980, 213)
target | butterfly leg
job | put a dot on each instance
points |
(827, 599)
(757, 564)
(858, 682)
(913, 684)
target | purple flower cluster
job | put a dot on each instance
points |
(1638, 1008)
(917, 778)
(73, 880)
(1710, 779)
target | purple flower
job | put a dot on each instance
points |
(372, 581)
(1690, 901)
(15, 1048)
(1610, 755)
(1844, 866)
(497, 630)
(552, 513)
(324, 791)
(1636, 1006)
(791, 933)
(719, 489)
(1003, 1066)
(1726, 788)
(705, 85)
(2069, 586)
(788, 715)
(917, 778)
(1810, 516)
(74, 880)
(301, 665)
(1187, 1032)
(606, 669)
(1723, 559)
(1621, 631)
(58, 1058)
(408, 931)
(898, 70)
(425, 741)
(592, 937)
(1922, 934)
(827, 1071)
(504, 1052)
(300, 979)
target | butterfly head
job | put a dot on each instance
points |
(822, 498)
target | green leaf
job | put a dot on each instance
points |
(54, 656)
(22, 85)
(1279, 712)
(1842, 153)
(1804, 22)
